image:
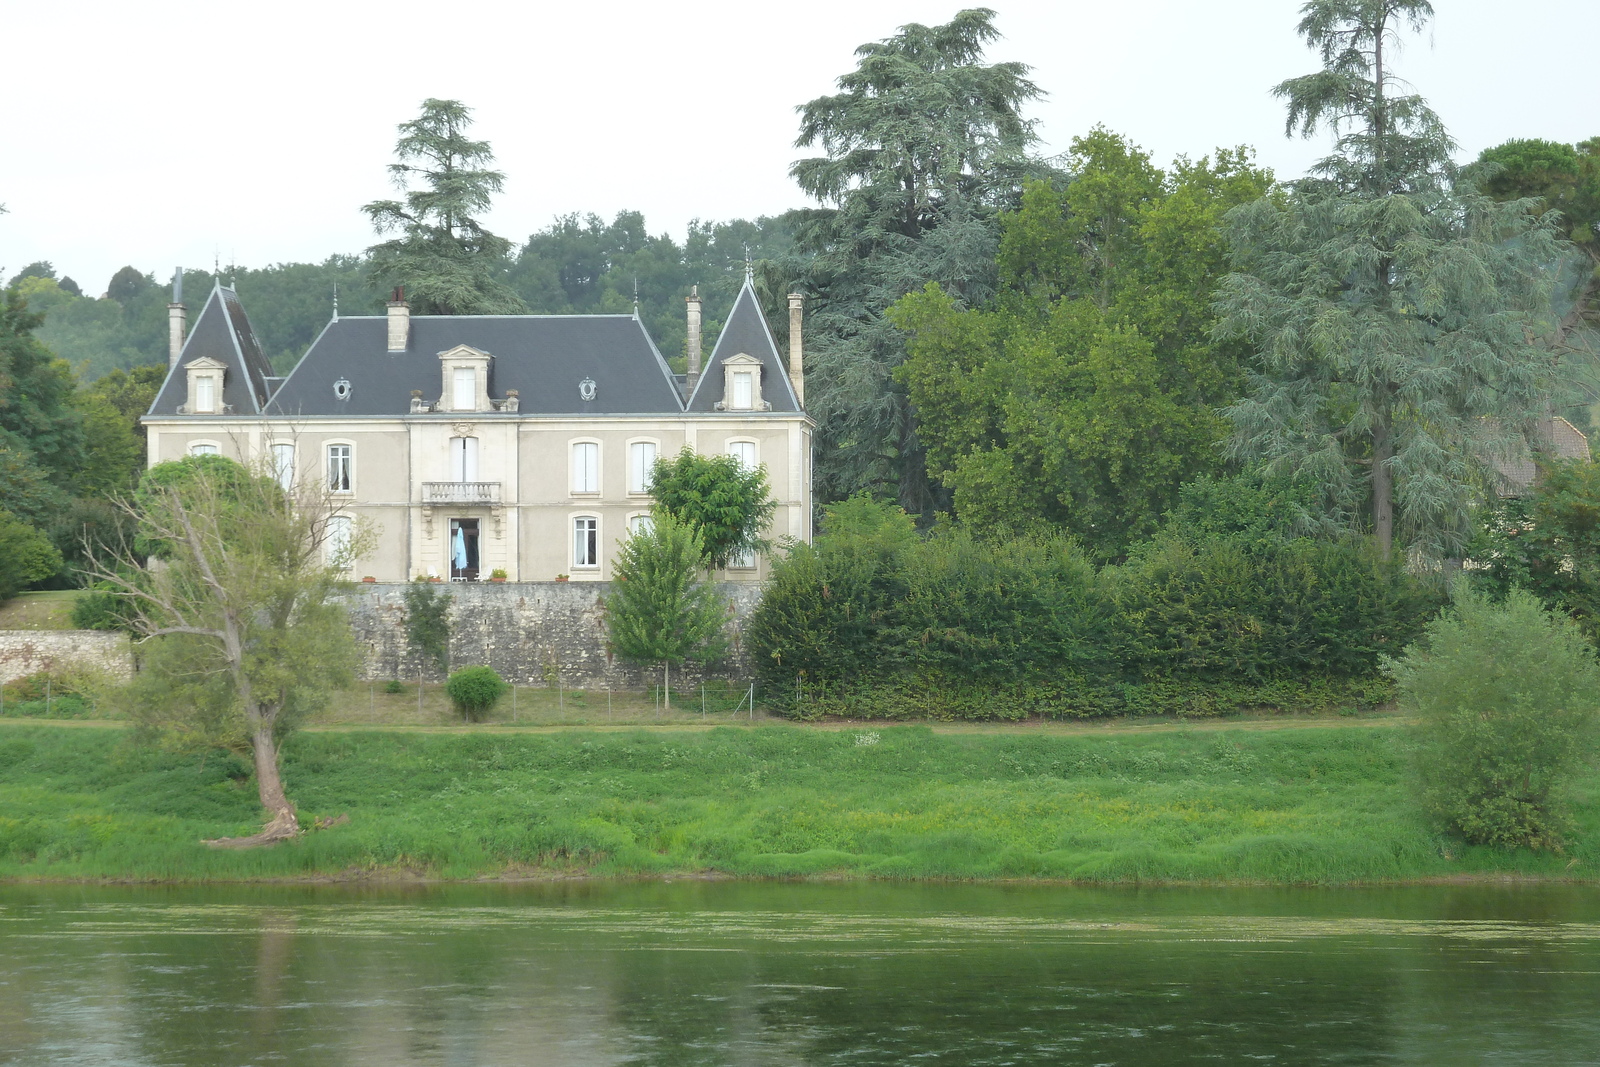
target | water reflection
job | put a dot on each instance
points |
(797, 974)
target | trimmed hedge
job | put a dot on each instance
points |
(873, 622)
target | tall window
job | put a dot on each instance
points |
(464, 459)
(743, 560)
(641, 461)
(339, 468)
(638, 524)
(338, 543)
(743, 393)
(744, 452)
(466, 389)
(283, 465)
(203, 450)
(585, 542)
(205, 393)
(585, 467)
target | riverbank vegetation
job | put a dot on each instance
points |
(1312, 804)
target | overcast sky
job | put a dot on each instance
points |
(160, 135)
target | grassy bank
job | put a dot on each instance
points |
(1308, 804)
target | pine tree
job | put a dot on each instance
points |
(449, 264)
(1393, 308)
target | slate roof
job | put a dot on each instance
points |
(543, 357)
(222, 331)
(1554, 436)
(747, 332)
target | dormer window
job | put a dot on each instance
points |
(741, 385)
(464, 384)
(205, 387)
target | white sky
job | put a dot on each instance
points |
(679, 110)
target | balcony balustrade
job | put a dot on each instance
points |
(461, 492)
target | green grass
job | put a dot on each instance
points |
(49, 610)
(1297, 805)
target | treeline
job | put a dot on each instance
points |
(1210, 616)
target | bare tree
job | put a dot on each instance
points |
(230, 580)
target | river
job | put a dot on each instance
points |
(712, 973)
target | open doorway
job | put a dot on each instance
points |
(463, 550)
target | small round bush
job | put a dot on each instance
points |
(474, 690)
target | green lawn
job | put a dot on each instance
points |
(1309, 804)
(50, 610)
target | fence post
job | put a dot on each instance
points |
(419, 694)
(47, 696)
(752, 702)
(702, 701)
(513, 701)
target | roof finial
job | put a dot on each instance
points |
(335, 301)
(636, 298)
(749, 268)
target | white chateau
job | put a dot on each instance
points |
(482, 442)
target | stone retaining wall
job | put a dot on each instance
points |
(25, 652)
(530, 632)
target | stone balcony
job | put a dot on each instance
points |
(461, 493)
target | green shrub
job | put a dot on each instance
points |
(474, 690)
(428, 623)
(1506, 696)
(100, 609)
(393, 685)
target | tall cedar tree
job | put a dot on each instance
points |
(230, 583)
(660, 611)
(449, 264)
(922, 145)
(1085, 397)
(1392, 309)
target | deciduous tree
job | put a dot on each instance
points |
(235, 607)
(725, 504)
(660, 610)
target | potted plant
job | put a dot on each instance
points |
(498, 574)
(561, 577)
(369, 579)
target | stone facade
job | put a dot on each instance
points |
(25, 652)
(532, 633)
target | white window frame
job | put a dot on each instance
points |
(747, 379)
(732, 446)
(457, 376)
(464, 462)
(283, 456)
(746, 560)
(639, 479)
(350, 465)
(572, 466)
(208, 382)
(639, 521)
(594, 541)
(337, 540)
(203, 448)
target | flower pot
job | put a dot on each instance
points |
(369, 578)
(561, 577)
(497, 581)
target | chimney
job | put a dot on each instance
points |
(693, 300)
(177, 320)
(399, 320)
(797, 369)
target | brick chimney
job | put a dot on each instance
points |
(399, 320)
(693, 346)
(177, 320)
(797, 369)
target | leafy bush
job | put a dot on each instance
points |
(44, 695)
(101, 609)
(26, 555)
(1507, 699)
(1195, 623)
(393, 685)
(1549, 542)
(474, 690)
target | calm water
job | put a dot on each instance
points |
(715, 973)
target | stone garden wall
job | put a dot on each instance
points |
(532, 633)
(63, 652)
